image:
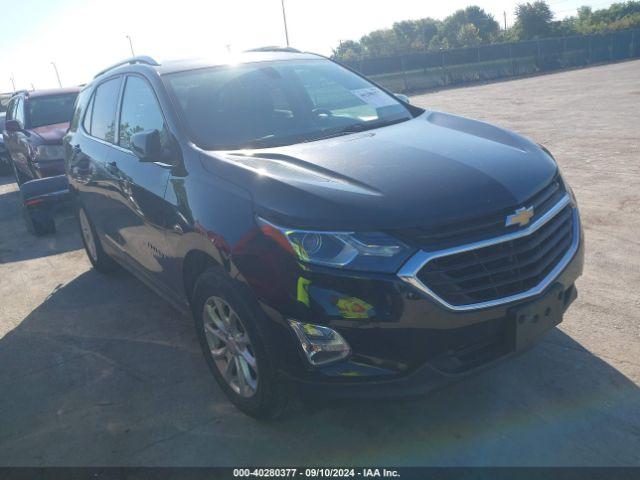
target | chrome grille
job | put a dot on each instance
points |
(502, 269)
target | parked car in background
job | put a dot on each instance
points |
(5, 168)
(4, 101)
(35, 123)
(41, 199)
(324, 233)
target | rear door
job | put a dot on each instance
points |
(89, 158)
(139, 223)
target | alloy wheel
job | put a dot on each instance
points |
(230, 347)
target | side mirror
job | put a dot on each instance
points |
(147, 146)
(12, 126)
(402, 97)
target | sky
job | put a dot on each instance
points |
(84, 36)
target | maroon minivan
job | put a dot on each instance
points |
(34, 126)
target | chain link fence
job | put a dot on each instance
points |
(425, 70)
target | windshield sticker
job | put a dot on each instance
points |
(374, 97)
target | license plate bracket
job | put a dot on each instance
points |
(531, 321)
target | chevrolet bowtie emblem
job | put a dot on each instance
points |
(520, 217)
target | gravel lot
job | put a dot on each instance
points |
(98, 371)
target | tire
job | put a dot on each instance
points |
(38, 225)
(92, 246)
(269, 396)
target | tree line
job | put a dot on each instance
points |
(473, 26)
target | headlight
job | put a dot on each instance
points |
(49, 152)
(567, 187)
(373, 252)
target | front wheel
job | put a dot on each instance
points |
(97, 256)
(236, 352)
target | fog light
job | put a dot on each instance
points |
(321, 345)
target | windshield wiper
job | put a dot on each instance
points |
(359, 127)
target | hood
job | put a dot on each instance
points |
(51, 133)
(428, 171)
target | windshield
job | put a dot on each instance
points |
(50, 110)
(270, 104)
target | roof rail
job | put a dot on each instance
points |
(130, 61)
(274, 49)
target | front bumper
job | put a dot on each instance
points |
(480, 347)
(403, 341)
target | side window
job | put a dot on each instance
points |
(140, 111)
(78, 108)
(19, 111)
(103, 124)
(86, 123)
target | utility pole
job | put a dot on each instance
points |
(57, 74)
(131, 46)
(13, 82)
(284, 17)
(504, 13)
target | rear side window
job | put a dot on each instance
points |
(140, 111)
(79, 107)
(87, 116)
(103, 111)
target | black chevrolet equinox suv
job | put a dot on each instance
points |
(328, 237)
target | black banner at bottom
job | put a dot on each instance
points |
(405, 473)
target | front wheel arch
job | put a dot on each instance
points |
(195, 263)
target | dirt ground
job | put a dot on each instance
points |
(97, 370)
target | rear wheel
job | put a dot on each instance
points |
(97, 256)
(235, 350)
